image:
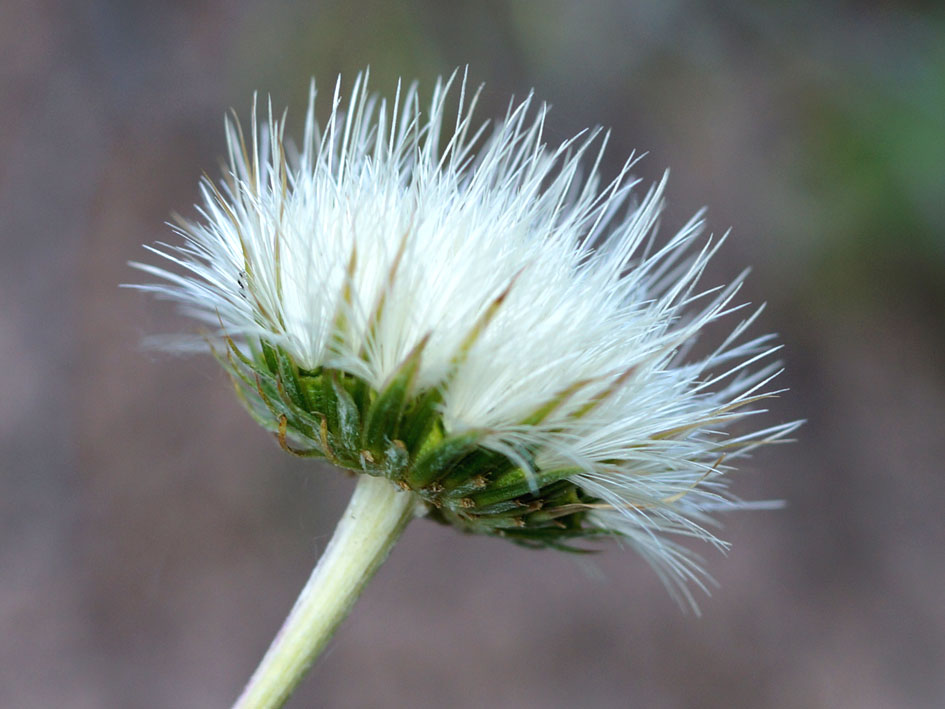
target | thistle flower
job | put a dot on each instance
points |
(485, 336)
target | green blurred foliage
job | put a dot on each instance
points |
(876, 161)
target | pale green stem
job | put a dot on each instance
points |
(374, 519)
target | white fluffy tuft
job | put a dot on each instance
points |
(387, 226)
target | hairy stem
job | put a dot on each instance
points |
(373, 521)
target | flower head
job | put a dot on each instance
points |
(457, 309)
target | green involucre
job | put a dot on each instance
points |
(398, 433)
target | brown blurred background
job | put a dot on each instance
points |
(153, 538)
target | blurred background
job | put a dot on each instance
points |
(152, 538)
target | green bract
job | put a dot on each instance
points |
(397, 433)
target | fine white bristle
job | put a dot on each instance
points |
(387, 226)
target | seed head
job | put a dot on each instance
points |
(457, 309)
